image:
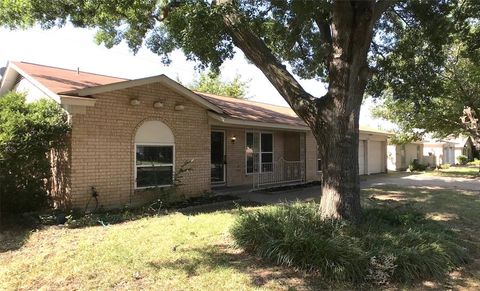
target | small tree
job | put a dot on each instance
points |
(28, 131)
(210, 82)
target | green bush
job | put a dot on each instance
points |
(445, 166)
(27, 133)
(391, 245)
(462, 160)
(415, 165)
(475, 162)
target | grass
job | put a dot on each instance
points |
(192, 252)
(457, 171)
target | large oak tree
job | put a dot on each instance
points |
(343, 43)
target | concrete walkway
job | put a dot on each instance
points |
(394, 179)
(423, 180)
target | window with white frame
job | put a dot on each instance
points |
(259, 152)
(154, 155)
(154, 165)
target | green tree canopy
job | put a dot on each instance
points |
(395, 45)
(210, 82)
(453, 110)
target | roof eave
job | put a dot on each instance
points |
(249, 123)
(144, 81)
(77, 101)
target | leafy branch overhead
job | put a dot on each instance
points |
(210, 82)
(454, 110)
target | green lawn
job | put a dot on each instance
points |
(457, 171)
(192, 252)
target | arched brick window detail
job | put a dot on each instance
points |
(154, 155)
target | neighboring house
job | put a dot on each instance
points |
(400, 156)
(442, 150)
(130, 135)
(464, 146)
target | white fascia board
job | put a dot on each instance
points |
(74, 100)
(245, 123)
(387, 134)
(37, 84)
(144, 81)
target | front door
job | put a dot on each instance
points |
(218, 157)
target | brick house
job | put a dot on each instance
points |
(131, 135)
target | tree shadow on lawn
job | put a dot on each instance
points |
(435, 203)
(215, 207)
(458, 210)
(260, 273)
(13, 238)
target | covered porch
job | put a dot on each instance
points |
(257, 158)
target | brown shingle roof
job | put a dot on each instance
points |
(254, 111)
(60, 80)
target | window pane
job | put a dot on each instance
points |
(267, 162)
(251, 151)
(267, 158)
(154, 176)
(253, 141)
(252, 162)
(154, 155)
(319, 165)
(250, 140)
(267, 142)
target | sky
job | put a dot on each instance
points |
(73, 48)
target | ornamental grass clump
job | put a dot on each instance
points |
(391, 245)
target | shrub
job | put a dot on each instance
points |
(391, 245)
(27, 133)
(462, 160)
(445, 166)
(415, 165)
(475, 162)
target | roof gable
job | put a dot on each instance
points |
(60, 80)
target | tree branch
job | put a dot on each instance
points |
(381, 6)
(259, 54)
(326, 36)
(324, 28)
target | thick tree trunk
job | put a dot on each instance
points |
(338, 151)
(337, 124)
(334, 117)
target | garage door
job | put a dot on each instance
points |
(361, 157)
(375, 157)
(449, 156)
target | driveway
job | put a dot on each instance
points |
(422, 180)
(394, 179)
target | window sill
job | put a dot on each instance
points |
(152, 187)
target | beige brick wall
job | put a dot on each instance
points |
(102, 149)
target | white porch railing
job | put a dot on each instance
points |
(278, 173)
